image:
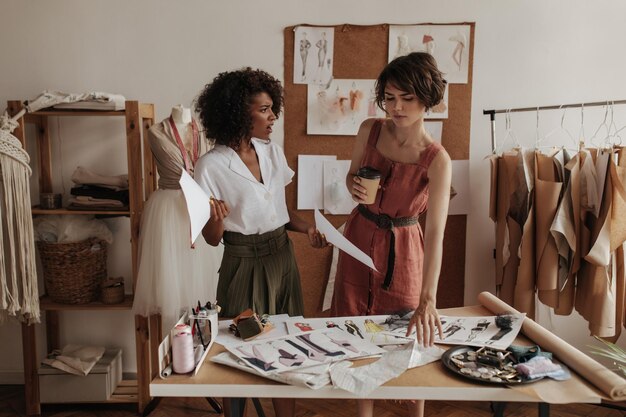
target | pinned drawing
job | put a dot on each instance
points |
(313, 55)
(337, 198)
(449, 44)
(338, 108)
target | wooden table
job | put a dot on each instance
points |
(429, 382)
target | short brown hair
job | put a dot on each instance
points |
(415, 73)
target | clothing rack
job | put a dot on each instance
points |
(492, 113)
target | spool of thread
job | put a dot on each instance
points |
(182, 350)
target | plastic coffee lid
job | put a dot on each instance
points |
(368, 172)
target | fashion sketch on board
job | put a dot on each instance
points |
(338, 108)
(296, 351)
(448, 44)
(313, 55)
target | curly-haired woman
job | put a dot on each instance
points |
(247, 174)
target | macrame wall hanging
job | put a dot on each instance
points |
(19, 296)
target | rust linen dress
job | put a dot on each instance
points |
(403, 193)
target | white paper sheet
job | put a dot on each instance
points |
(337, 239)
(337, 198)
(330, 284)
(460, 182)
(363, 380)
(434, 129)
(295, 352)
(467, 331)
(368, 328)
(311, 180)
(198, 204)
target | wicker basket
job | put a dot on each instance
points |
(112, 290)
(73, 271)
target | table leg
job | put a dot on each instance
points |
(497, 408)
(543, 410)
(234, 407)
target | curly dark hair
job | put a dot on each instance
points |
(416, 73)
(224, 105)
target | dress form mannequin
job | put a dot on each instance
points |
(182, 119)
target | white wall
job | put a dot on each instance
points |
(527, 53)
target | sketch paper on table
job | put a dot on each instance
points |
(340, 107)
(449, 44)
(364, 327)
(459, 204)
(469, 331)
(314, 377)
(198, 205)
(226, 337)
(311, 180)
(295, 352)
(313, 55)
(330, 284)
(363, 380)
(439, 111)
(337, 239)
(337, 198)
(434, 129)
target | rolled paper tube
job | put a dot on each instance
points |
(603, 378)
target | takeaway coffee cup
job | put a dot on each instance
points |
(370, 178)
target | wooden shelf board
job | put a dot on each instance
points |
(45, 303)
(64, 211)
(71, 112)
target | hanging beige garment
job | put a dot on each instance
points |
(618, 237)
(548, 186)
(565, 229)
(505, 188)
(595, 299)
(524, 291)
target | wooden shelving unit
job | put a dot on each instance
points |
(142, 182)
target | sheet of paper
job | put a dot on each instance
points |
(363, 380)
(330, 285)
(459, 204)
(296, 352)
(434, 129)
(198, 204)
(368, 328)
(468, 331)
(337, 198)
(311, 180)
(337, 239)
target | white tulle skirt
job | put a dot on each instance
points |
(172, 276)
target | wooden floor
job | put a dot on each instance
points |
(12, 405)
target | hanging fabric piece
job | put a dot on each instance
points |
(595, 299)
(565, 228)
(19, 296)
(618, 236)
(548, 185)
(524, 293)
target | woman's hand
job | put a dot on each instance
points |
(316, 239)
(358, 192)
(426, 322)
(219, 210)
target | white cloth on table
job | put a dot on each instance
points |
(94, 100)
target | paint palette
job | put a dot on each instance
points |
(484, 365)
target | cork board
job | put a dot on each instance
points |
(361, 52)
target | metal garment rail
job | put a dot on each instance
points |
(492, 113)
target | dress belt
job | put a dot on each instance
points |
(256, 250)
(384, 221)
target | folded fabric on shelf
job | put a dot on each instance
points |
(115, 182)
(100, 192)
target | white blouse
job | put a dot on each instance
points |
(255, 207)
